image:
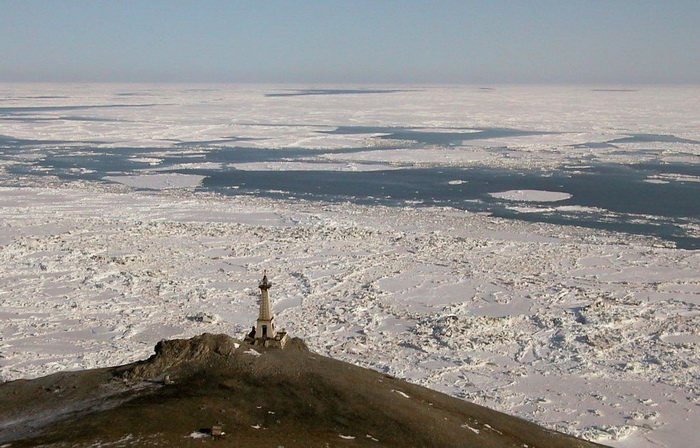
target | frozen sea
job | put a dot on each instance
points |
(648, 193)
(533, 249)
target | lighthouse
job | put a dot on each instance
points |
(264, 327)
(264, 332)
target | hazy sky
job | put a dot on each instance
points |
(352, 41)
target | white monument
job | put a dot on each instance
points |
(264, 332)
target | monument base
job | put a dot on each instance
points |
(278, 341)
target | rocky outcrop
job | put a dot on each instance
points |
(192, 390)
(173, 355)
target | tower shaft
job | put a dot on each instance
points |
(265, 313)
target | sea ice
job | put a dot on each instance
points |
(585, 331)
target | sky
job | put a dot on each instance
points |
(351, 41)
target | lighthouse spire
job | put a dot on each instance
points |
(265, 309)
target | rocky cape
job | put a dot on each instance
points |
(288, 397)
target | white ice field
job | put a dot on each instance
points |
(590, 332)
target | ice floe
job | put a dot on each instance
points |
(158, 181)
(531, 195)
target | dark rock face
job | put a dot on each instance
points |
(191, 389)
(181, 353)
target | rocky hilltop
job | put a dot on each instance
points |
(191, 390)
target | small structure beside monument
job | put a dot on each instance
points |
(217, 431)
(264, 332)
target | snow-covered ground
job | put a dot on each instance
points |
(589, 332)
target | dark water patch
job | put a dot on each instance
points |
(74, 166)
(107, 159)
(610, 188)
(667, 231)
(242, 154)
(84, 162)
(103, 160)
(653, 138)
(68, 118)
(620, 189)
(34, 109)
(28, 119)
(432, 137)
(624, 195)
(310, 92)
(656, 168)
(363, 187)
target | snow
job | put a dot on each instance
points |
(403, 394)
(198, 435)
(589, 332)
(470, 428)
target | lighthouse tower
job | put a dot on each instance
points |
(264, 332)
(264, 327)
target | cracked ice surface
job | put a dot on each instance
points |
(590, 332)
(582, 331)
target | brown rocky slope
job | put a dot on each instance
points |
(267, 397)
